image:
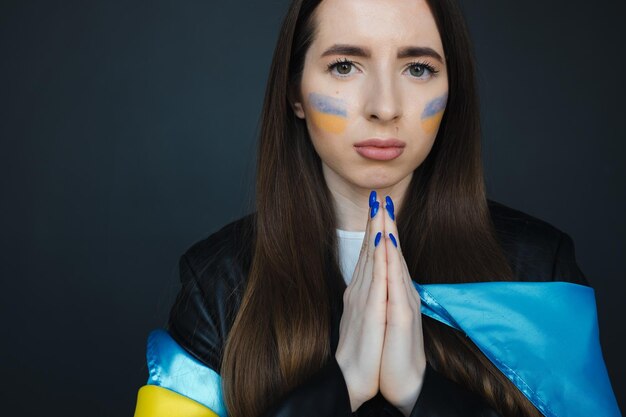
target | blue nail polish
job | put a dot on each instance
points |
(374, 209)
(393, 240)
(372, 197)
(377, 239)
(390, 208)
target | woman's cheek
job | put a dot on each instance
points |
(328, 113)
(433, 112)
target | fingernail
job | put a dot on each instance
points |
(377, 239)
(393, 240)
(390, 208)
(374, 209)
(372, 197)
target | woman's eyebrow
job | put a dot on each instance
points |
(404, 52)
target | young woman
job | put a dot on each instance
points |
(369, 182)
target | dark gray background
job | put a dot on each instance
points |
(128, 133)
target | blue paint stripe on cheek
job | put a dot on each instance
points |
(435, 106)
(329, 105)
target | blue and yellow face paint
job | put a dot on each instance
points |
(433, 112)
(329, 113)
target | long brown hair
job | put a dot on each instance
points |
(280, 335)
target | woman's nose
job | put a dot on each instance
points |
(382, 100)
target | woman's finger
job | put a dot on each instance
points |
(391, 227)
(375, 226)
(397, 292)
(378, 291)
(390, 222)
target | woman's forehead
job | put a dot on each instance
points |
(376, 24)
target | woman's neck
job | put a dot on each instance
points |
(351, 202)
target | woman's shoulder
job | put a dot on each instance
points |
(536, 249)
(212, 275)
(225, 254)
(519, 230)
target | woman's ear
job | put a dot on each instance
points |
(296, 104)
(298, 110)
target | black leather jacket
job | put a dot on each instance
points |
(213, 273)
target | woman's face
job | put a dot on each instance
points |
(392, 84)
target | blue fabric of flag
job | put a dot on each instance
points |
(543, 336)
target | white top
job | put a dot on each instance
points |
(349, 249)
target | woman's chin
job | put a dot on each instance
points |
(379, 180)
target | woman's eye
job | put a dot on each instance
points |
(417, 69)
(343, 67)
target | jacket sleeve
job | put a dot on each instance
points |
(323, 394)
(443, 397)
(201, 319)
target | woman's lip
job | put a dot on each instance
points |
(381, 143)
(379, 154)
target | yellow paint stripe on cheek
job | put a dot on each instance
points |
(431, 124)
(328, 122)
